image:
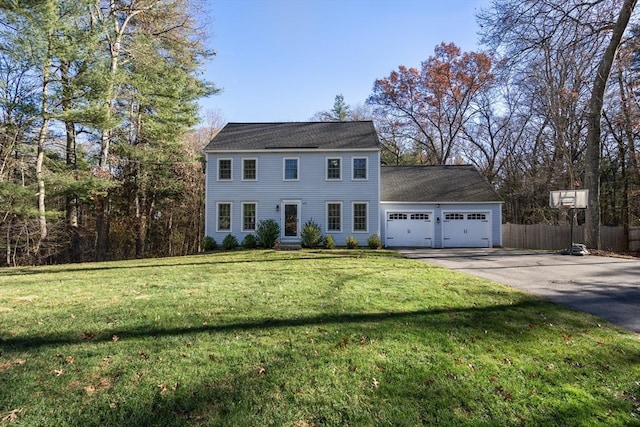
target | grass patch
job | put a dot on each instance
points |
(300, 339)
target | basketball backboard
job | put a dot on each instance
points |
(576, 199)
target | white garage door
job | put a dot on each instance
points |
(466, 230)
(409, 229)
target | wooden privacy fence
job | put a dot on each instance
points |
(557, 237)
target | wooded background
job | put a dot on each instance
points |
(100, 140)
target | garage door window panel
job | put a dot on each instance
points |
(397, 216)
(454, 217)
(420, 216)
(477, 217)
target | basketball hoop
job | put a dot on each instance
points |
(570, 199)
(576, 199)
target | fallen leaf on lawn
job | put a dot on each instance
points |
(90, 390)
(12, 415)
(375, 383)
(262, 371)
(115, 338)
(363, 340)
(105, 383)
(471, 367)
(163, 388)
(58, 372)
(70, 360)
(8, 365)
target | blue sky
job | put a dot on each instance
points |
(285, 60)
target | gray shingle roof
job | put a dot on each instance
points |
(295, 135)
(438, 184)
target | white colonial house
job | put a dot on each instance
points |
(330, 172)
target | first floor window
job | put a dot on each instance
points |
(224, 216)
(334, 216)
(224, 169)
(248, 217)
(360, 217)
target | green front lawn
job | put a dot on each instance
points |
(331, 338)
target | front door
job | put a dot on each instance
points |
(291, 219)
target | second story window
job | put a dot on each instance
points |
(291, 169)
(249, 169)
(360, 168)
(224, 169)
(333, 169)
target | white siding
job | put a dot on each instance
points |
(312, 189)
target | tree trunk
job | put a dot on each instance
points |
(42, 137)
(72, 165)
(594, 143)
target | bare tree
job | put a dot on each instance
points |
(596, 102)
(570, 46)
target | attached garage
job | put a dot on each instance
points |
(409, 229)
(466, 229)
(438, 207)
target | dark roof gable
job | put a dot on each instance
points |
(295, 135)
(436, 184)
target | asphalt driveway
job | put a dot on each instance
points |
(606, 287)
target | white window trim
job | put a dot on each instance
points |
(218, 169)
(244, 230)
(366, 159)
(284, 163)
(326, 168)
(326, 226)
(218, 229)
(353, 214)
(250, 158)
